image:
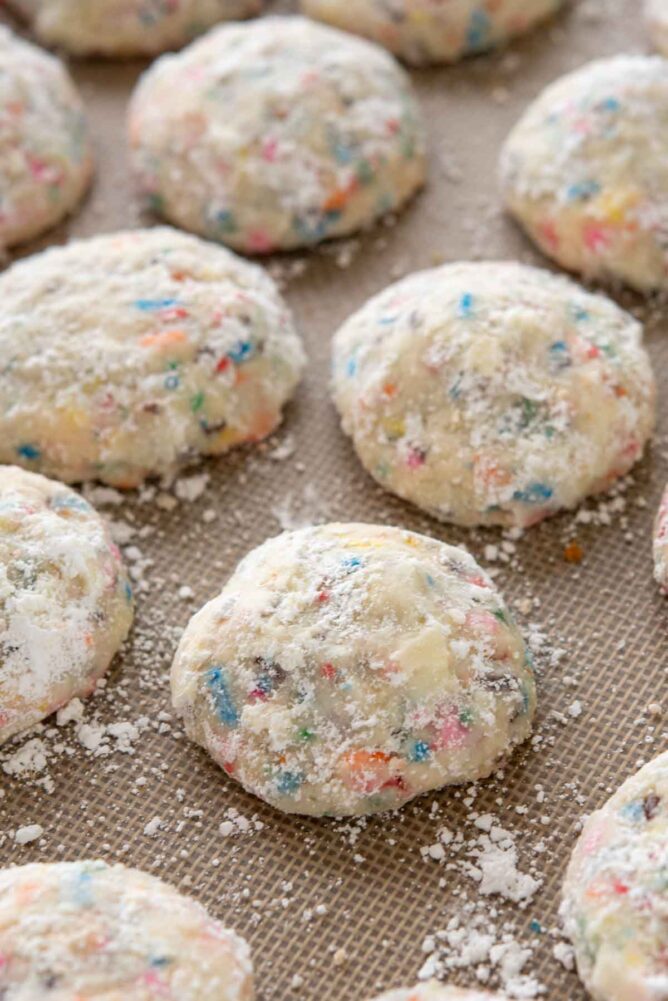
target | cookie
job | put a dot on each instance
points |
(123, 28)
(276, 134)
(65, 600)
(585, 171)
(91, 930)
(615, 897)
(45, 156)
(493, 393)
(345, 669)
(132, 354)
(422, 32)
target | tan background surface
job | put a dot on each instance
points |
(607, 613)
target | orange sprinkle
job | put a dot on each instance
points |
(336, 200)
(164, 339)
(389, 389)
(573, 552)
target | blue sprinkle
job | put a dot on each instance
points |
(535, 925)
(430, 580)
(289, 782)
(158, 961)
(560, 354)
(265, 684)
(580, 314)
(633, 811)
(353, 563)
(610, 104)
(583, 190)
(222, 699)
(171, 381)
(70, 504)
(420, 751)
(82, 889)
(342, 154)
(127, 590)
(534, 493)
(225, 221)
(28, 451)
(351, 367)
(241, 352)
(477, 35)
(465, 307)
(150, 305)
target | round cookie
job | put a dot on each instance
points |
(122, 28)
(276, 134)
(615, 897)
(434, 991)
(660, 543)
(656, 17)
(585, 171)
(131, 354)
(65, 600)
(346, 668)
(45, 156)
(423, 32)
(90, 930)
(493, 393)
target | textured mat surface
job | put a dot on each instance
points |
(332, 910)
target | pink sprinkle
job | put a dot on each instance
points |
(269, 150)
(451, 733)
(259, 241)
(548, 234)
(596, 237)
(415, 458)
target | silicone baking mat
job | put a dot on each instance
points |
(339, 910)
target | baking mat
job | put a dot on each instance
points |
(339, 910)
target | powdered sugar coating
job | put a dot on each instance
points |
(347, 668)
(493, 393)
(131, 354)
(109, 933)
(434, 991)
(585, 170)
(615, 897)
(65, 600)
(45, 156)
(276, 134)
(127, 27)
(660, 542)
(423, 32)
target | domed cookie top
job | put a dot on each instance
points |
(615, 896)
(432, 990)
(345, 669)
(421, 31)
(130, 354)
(276, 134)
(65, 601)
(585, 170)
(493, 393)
(45, 156)
(127, 27)
(96, 931)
